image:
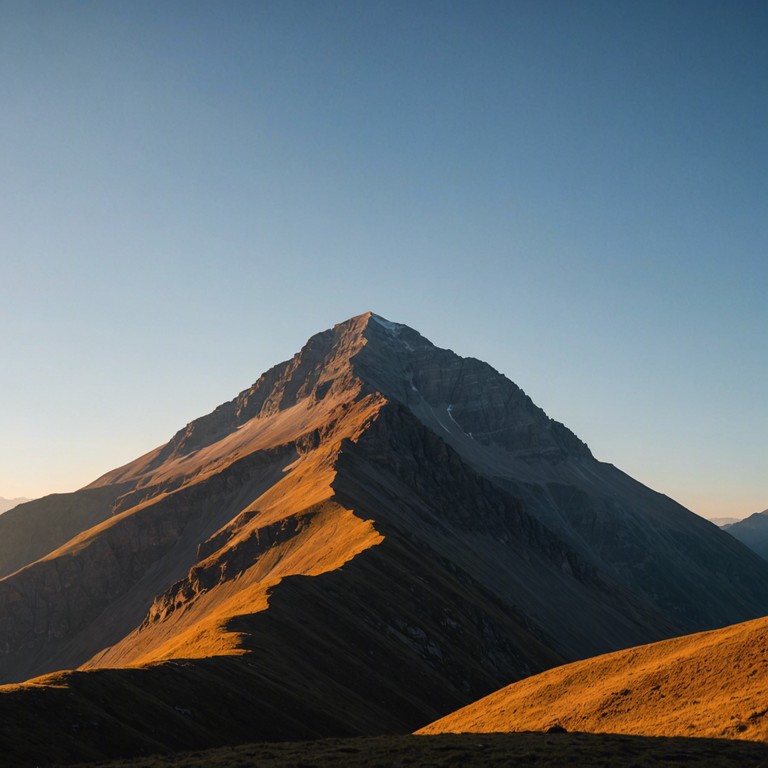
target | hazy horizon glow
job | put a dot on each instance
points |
(574, 192)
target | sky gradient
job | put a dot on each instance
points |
(575, 192)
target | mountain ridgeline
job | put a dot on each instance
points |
(374, 534)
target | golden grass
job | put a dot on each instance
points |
(712, 684)
(326, 537)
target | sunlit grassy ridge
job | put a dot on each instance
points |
(712, 684)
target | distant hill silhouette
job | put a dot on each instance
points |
(752, 531)
(6, 504)
(724, 522)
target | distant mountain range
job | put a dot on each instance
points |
(724, 522)
(6, 504)
(752, 531)
(374, 534)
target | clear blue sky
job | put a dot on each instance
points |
(575, 192)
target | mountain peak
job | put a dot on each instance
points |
(464, 400)
(375, 328)
(467, 402)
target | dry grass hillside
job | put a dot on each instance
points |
(711, 684)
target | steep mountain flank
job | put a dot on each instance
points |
(376, 532)
(645, 540)
(711, 684)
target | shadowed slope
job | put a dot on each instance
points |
(476, 751)
(712, 684)
(644, 540)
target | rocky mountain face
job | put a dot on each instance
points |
(375, 533)
(752, 531)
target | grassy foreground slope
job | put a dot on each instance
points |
(710, 684)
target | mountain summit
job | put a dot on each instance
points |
(377, 532)
(368, 355)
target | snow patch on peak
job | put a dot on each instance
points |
(387, 324)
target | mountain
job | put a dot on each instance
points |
(752, 531)
(6, 504)
(723, 522)
(375, 533)
(710, 684)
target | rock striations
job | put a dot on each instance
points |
(375, 533)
